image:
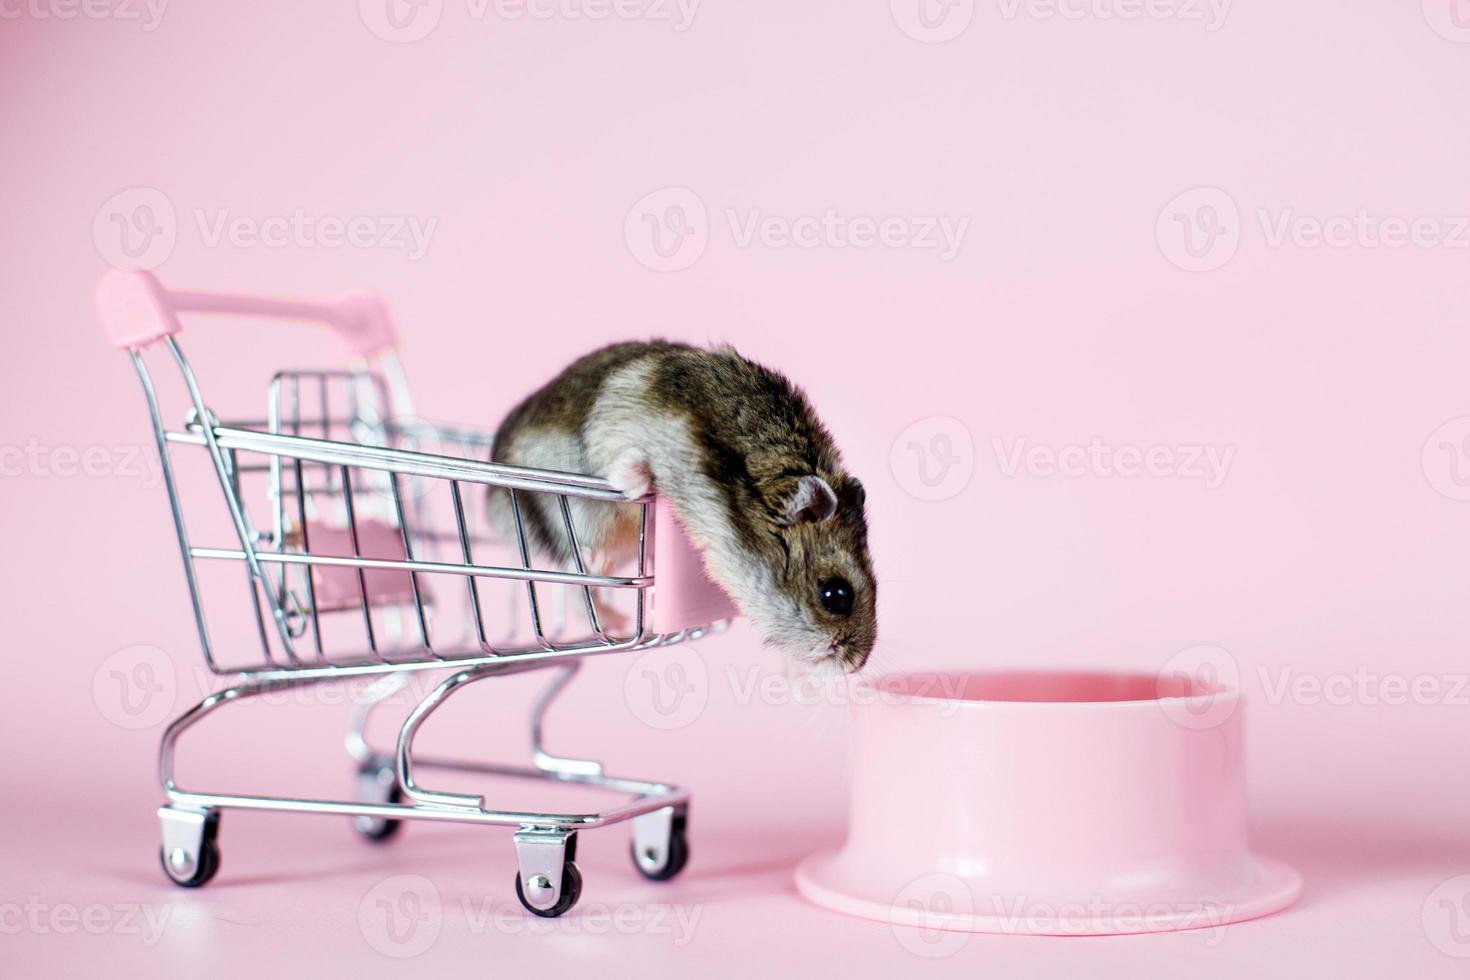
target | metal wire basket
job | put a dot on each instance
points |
(352, 523)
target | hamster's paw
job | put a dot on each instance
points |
(630, 475)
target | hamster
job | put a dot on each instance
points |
(746, 464)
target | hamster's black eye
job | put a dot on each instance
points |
(835, 594)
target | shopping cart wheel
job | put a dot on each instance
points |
(377, 783)
(660, 844)
(539, 853)
(571, 890)
(190, 851)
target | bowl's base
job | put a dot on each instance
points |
(946, 901)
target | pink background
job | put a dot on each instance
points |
(1328, 548)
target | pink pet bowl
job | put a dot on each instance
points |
(1053, 804)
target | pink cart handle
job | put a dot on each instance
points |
(684, 596)
(136, 310)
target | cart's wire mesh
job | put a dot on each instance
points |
(359, 541)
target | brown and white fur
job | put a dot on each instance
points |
(748, 467)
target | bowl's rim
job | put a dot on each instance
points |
(1219, 693)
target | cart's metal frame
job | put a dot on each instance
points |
(389, 784)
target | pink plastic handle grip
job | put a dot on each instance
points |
(136, 310)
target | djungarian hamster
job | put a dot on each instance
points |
(748, 467)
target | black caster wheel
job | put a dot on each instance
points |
(674, 860)
(377, 783)
(571, 890)
(194, 870)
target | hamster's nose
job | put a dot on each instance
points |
(835, 594)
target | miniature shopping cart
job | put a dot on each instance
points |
(349, 545)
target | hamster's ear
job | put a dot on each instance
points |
(812, 501)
